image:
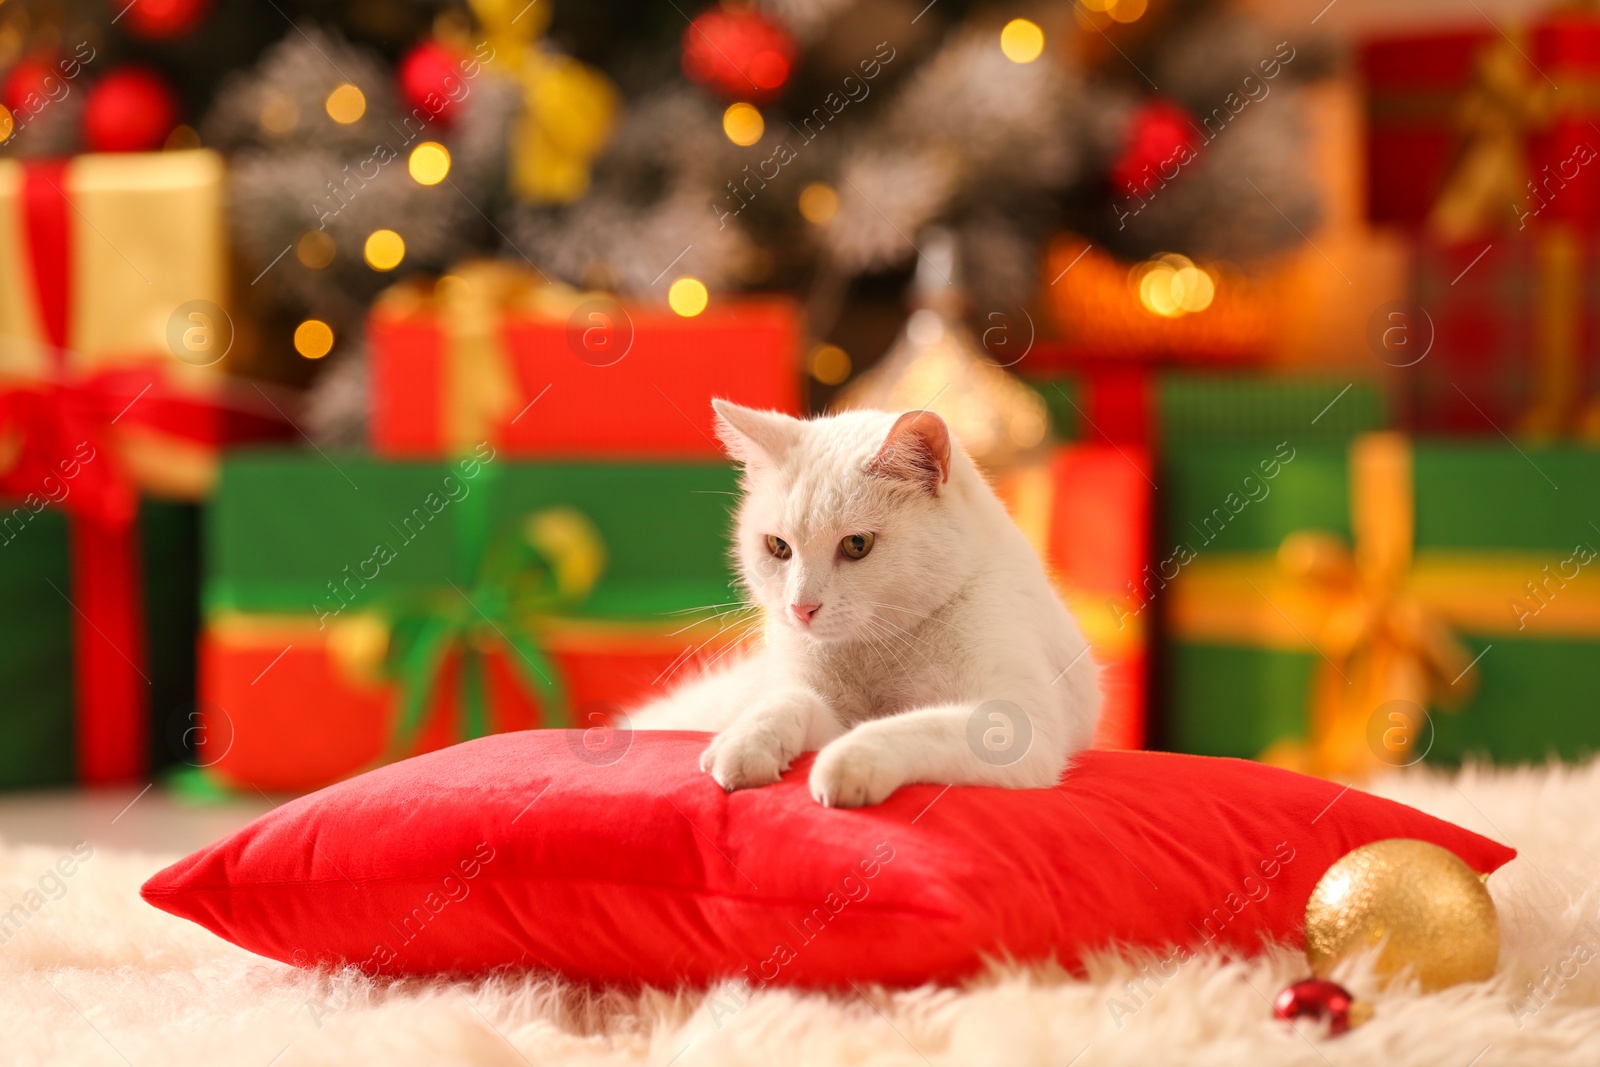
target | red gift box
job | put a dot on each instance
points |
(1564, 149)
(1414, 85)
(255, 674)
(536, 370)
(1087, 511)
(1515, 346)
(109, 259)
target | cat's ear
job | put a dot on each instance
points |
(752, 436)
(917, 450)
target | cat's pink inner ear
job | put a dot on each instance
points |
(917, 449)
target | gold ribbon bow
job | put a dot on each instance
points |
(1493, 118)
(568, 108)
(1379, 615)
(1379, 640)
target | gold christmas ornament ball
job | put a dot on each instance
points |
(1428, 910)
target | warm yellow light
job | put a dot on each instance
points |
(429, 163)
(743, 124)
(1171, 285)
(1194, 289)
(1022, 41)
(314, 249)
(313, 339)
(688, 297)
(346, 104)
(830, 364)
(7, 124)
(1127, 10)
(384, 250)
(1155, 292)
(818, 203)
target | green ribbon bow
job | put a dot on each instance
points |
(546, 565)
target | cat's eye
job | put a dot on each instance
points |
(779, 547)
(856, 545)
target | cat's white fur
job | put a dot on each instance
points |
(894, 677)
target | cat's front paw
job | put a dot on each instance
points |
(748, 754)
(854, 771)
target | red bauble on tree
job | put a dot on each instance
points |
(157, 19)
(129, 110)
(1162, 138)
(29, 85)
(431, 81)
(737, 52)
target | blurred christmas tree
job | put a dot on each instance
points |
(802, 145)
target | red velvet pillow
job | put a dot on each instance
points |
(524, 849)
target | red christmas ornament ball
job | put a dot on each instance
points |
(430, 80)
(738, 53)
(1317, 998)
(157, 19)
(129, 110)
(1161, 136)
(29, 78)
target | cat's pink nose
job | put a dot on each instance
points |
(805, 612)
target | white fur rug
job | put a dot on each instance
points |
(97, 977)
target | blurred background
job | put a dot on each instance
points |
(356, 357)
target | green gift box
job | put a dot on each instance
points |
(1344, 608)
(421, 603)
(38, 672)
(1176, 409)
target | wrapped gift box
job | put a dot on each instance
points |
(1174, 409)
(111, 389)
(1563, 147)
(1319, 591)
(492, 354)
(1473, 129)
(1415, 84)
(1086, 510)
(443, 600)
(48, 741)
(1515, 343)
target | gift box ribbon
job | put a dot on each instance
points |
(1381, 617)
(546, 566)
(69, 421)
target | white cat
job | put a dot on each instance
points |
(910, 631)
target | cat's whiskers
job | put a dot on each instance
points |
(712, 618)
(685, 656)
(708, 607)
(733, 643)
(904, 637)
(878, 617)
(910, 611)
